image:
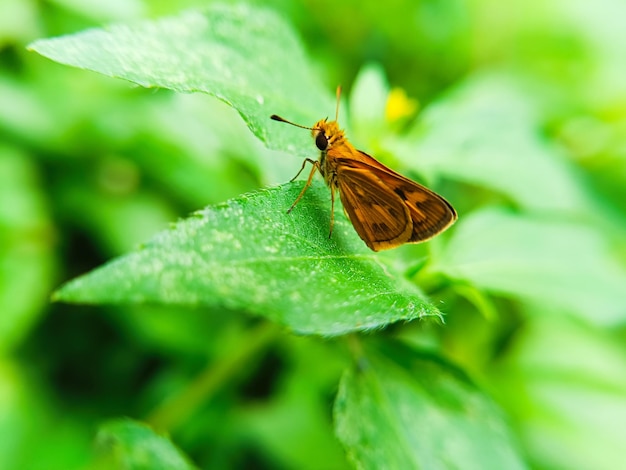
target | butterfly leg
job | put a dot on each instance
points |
(316, 166)
(332, 211)
(306, 160)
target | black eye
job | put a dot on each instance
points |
(321, 141)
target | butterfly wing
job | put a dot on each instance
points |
(379, 216)
(429, 213)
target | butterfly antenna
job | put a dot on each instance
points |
(280, 119)
(337, 107)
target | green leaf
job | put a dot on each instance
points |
(400, 409)
(245, 56)
(131, 445)
(26, 237)
(564, 382)
(367, 104)
(565, 264)
(249, 254)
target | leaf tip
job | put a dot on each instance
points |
(57, 295)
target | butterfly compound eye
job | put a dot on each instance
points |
(321, 141)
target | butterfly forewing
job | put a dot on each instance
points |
(378, 215)
(429, 213)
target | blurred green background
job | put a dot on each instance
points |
(91, 166)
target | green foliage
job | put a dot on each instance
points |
(555, 252)
(248, 254)
(230, 336)
(399, 409)
(26, 238)
(223, 52)
(131, 445)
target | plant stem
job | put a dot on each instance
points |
(178, 408)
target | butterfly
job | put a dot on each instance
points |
(386, 209)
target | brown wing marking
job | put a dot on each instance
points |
(430, 213)
(378, 215)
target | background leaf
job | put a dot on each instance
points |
(249, 254)
(399, 409)
(566, 265)
(26, 237)
(132, 445)
(226, 52)
(573, 386)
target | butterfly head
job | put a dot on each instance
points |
(326, 134)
